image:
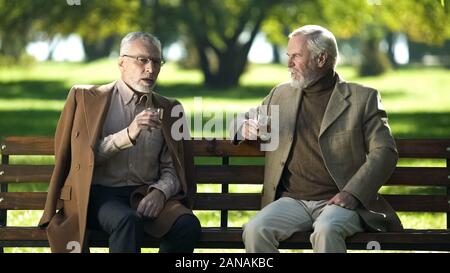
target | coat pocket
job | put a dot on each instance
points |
(63, 232)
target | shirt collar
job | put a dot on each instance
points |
(128, 95)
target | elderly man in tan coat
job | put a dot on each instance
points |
(335, 151)
(118, 168)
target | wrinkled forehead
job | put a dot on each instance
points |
(297, 44)
(140, 47)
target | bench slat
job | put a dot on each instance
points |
(26, 173)
(423, 148)
(420, 176)
(415, 203)
(251, 201)
(45, 146)
(232, 238)
(225, 148)
(229, 201)
(204, 174)
(236, 201)
(413, 176)
(204, 201)
(410, 148)
(229, 174)
(33, 145)
(23, 200)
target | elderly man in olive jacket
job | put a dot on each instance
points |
(335, 151)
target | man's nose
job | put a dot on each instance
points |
(150, 67)
(290, 62)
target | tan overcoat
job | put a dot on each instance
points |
(78, 130)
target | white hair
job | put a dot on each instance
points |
(142, 36)
(318, 40)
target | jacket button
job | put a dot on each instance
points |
(291, 138)
(77, 167)
(282, 163)
(77, 134)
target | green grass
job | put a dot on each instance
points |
(417, 101)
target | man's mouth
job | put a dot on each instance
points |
(293, 73)
(148, 80)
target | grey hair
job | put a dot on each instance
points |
(142, 36)
(318, 40)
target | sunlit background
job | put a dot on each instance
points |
(401, 48)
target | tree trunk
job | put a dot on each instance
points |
(98, 49)
(232, 61)
(276, 54)
(374, 61)
(13, 46)
(231, 65)
(390, 38)
(223, 63)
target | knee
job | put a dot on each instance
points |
(131, 219)
(254, 230)
(189, 225)
(193, 225)
(326, 229)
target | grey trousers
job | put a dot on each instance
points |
(277, 221)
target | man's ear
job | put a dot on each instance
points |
(322, 59)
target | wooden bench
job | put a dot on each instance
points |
(229, 168)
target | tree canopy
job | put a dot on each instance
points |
(221, 32)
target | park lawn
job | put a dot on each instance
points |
(416, 99)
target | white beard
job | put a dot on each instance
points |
(298, 84)
(302, 82)
(307, 78)
(142, 88)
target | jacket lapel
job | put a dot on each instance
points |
(166, 127)
(335, 107)
(96, 102)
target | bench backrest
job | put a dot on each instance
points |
(221, 163)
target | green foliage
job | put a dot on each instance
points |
(425, 21)
(92, 20)
(221, 32)
(23, 60)
(343, 18)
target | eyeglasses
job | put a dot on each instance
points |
(145, 60)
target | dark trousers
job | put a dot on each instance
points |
(109, 210)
